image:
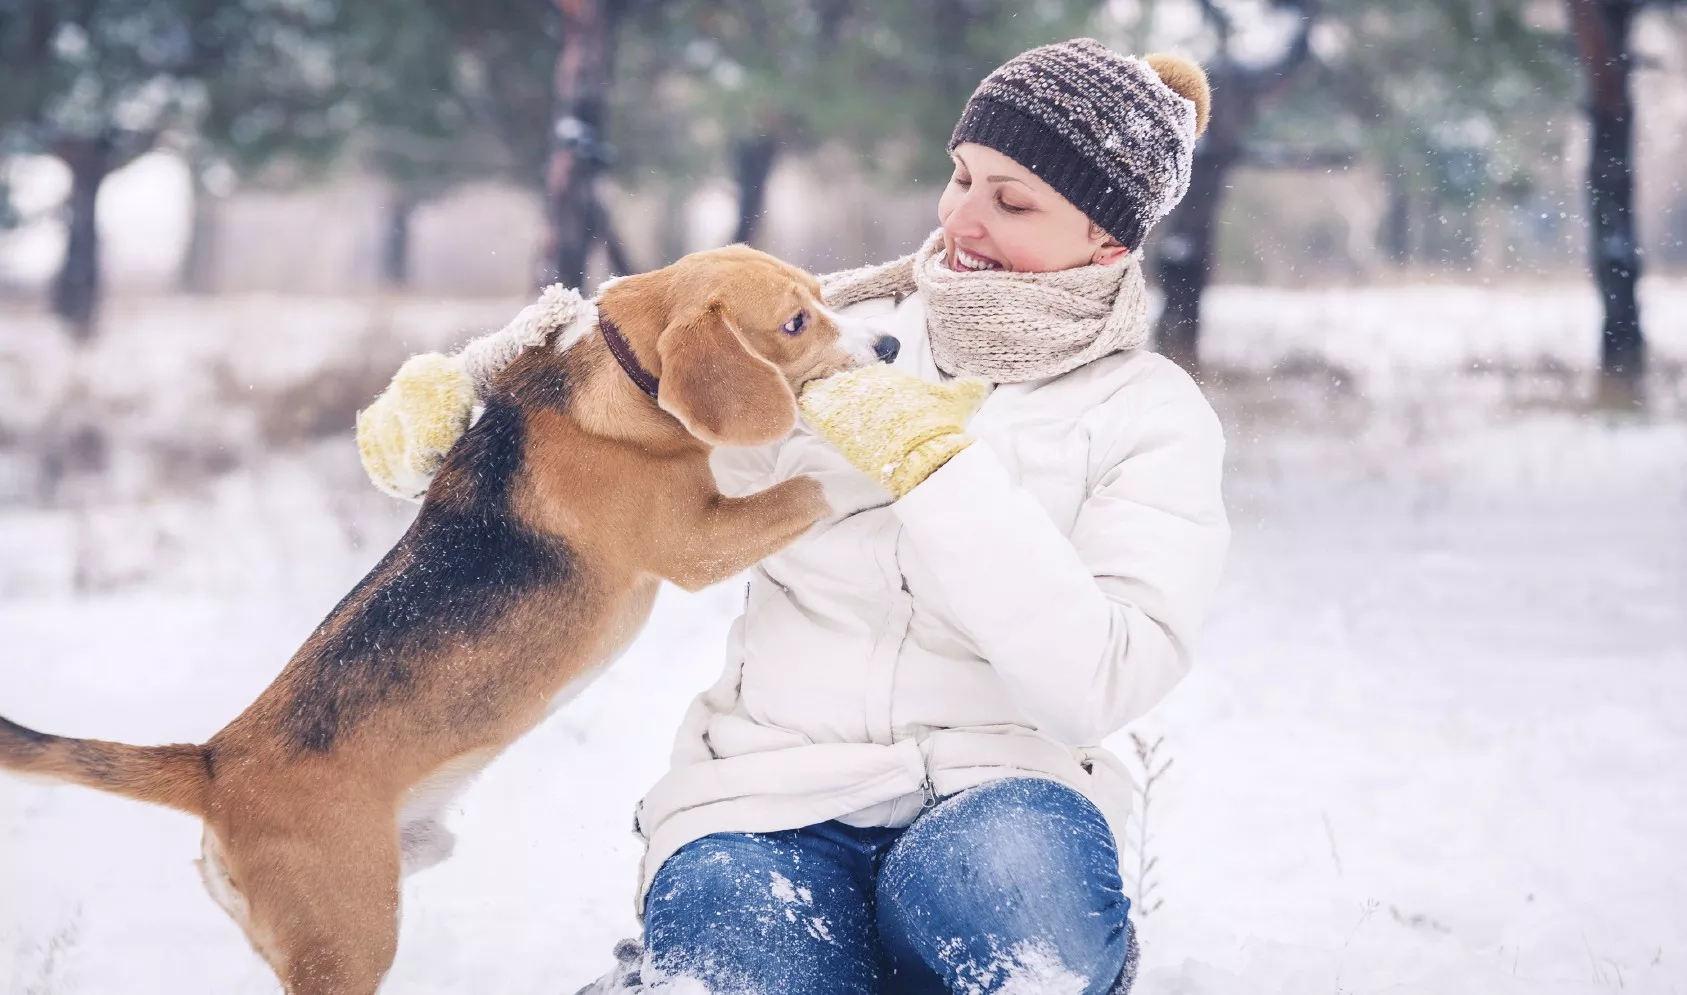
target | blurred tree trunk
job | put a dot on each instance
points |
(195, 275)
(752, 161)
(754, 156)
(581, 87)
(76, 288)
(1602, 38)
(395, 240)
(1395, 238)
(1183, 250)
(673, 229)
(616, 253)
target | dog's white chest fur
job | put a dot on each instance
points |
(422, 837)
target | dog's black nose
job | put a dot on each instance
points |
(886, 348)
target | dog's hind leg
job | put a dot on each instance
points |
(324, 913)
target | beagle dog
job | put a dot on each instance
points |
(533, 561)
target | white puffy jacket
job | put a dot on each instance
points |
(1032, 596)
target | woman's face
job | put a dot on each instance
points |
(996, 214)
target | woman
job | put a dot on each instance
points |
(896, 785)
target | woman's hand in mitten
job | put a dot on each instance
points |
(893, 426)
(404, 435)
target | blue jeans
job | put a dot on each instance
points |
(1012, 883)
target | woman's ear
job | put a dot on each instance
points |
(719, 390)
(1106, 248)
(1108, 252)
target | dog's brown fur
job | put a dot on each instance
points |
(534, 559)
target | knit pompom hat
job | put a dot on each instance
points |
(1113, 134)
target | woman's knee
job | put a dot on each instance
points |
(745, 912)
(1030, 834)
(713, 870)
(741, 883)
(1014, 875)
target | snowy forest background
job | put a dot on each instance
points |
(1432, 274)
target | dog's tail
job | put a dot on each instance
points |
(176, 776)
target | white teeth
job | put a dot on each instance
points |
(972, 262)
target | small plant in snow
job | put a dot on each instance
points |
(1148, 757)
(55, 955)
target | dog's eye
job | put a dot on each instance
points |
(795, 325)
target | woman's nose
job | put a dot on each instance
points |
(966, 219)
(887, 348)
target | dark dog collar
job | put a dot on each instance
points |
(622, 350)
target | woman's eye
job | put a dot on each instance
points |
(961, 181)
(795, 325)
(1012, 208)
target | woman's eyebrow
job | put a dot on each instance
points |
(996, 178)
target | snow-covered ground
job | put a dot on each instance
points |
(1434, 742)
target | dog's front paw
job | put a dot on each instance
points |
(811, 496)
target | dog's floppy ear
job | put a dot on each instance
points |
(720, 391)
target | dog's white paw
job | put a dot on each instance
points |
(424, 843)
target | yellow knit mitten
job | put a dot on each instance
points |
(893, 426)
(404, 435)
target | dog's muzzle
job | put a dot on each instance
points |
(863, 341)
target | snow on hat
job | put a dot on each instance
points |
(1113, 134)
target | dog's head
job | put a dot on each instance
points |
(735, 334)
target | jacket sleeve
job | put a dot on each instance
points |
(1091, 630)
(741, 470)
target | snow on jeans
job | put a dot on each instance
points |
(1012, 886)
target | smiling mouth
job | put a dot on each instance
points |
(962, 261)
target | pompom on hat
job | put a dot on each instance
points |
(1113, 134)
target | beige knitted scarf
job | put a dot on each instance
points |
(1009, 327)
